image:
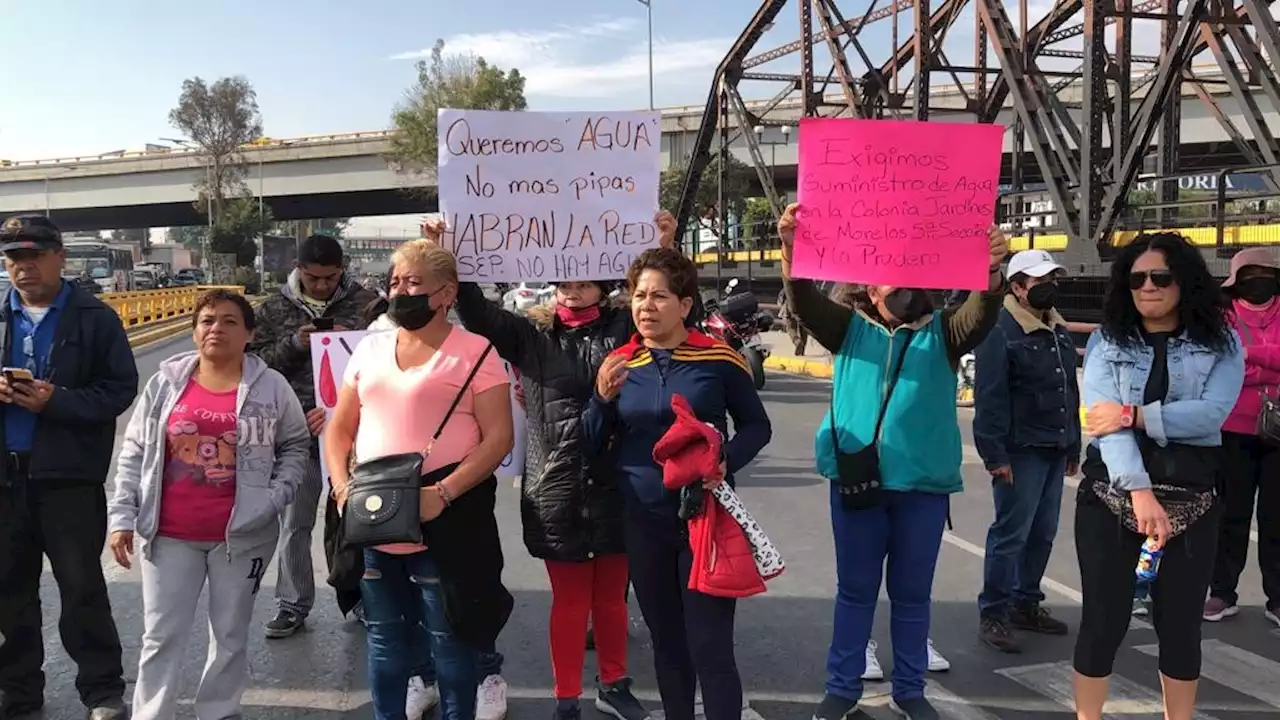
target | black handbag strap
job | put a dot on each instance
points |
(458, 399)
(884, 405)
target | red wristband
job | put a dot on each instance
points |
(1126, 416)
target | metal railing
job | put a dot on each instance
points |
(145, 307)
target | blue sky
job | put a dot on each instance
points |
(325, 66)
(106, 74)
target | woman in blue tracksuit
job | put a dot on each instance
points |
(891, 447)
(692, 632)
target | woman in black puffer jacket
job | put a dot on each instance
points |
(571, 508)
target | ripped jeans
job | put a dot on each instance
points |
(389, 585)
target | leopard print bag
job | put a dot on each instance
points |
(1181, 505)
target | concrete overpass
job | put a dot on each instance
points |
(347, 175)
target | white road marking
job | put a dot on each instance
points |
(1238, 669)
(341, 701)
(1125, 697)
(1048, 583)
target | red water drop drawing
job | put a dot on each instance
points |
(328, 389)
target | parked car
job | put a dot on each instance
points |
(527, 295)
(188, 276)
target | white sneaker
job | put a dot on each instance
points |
(874, 672)
(937, 663)
(420, 698)
(491, 699)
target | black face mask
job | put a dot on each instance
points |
(1257, 290)
(411, 312)
(1043, 296)
(908, 305)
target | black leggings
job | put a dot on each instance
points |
(1108, 553)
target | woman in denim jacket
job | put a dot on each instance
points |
(1159, 381)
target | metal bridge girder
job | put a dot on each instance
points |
(1089, 161)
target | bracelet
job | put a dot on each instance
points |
(444, 494)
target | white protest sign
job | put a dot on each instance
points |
(330, 353)
(548, 196)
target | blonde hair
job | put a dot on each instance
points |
(428, 257)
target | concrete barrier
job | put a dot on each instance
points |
(144, 307)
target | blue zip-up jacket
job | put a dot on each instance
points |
(1026, 394)
(919, 444)
(718, 385)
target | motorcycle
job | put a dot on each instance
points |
(965, 378)
(738, 322)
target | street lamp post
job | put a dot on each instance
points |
(208, 194)
(648, 6)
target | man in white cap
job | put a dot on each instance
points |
(1027, 430)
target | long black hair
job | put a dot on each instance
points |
(1202, 308)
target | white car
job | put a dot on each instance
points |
(527, 295)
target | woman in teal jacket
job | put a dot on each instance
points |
(891, 447)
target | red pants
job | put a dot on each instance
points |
(595, 590)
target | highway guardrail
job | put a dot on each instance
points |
(143, 307)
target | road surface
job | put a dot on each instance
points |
(782, 636)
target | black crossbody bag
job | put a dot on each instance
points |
(383, 502)
(859, 482)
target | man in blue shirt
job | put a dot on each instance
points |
(68, 373)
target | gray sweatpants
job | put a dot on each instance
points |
(295, 575)
(172, 580)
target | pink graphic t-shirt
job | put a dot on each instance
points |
(400, 409)
(200, 466)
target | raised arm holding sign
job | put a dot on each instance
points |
(897, 203)
(547, 196)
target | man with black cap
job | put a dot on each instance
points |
(68, 374)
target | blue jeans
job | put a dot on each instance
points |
(391, 588)
(1020, 538)
(422, 665)
(907, 529)
(1142, 591)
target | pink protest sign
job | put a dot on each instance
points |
(891, 202)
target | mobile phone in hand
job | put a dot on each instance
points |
(324, 323)
(16, 375)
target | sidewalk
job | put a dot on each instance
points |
(816, 361)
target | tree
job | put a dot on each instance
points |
(448, 81)
(191, 236)
(219, 119)
(237, 229)
(738, 179)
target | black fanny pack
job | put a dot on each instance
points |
(858, 478)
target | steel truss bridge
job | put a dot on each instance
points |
(1090, 128)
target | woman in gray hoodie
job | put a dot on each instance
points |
(213, 454)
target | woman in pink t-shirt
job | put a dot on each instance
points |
(397, 391)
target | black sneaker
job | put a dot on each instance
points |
(566, 710)
(1034, 618)
(285, 623)
(113, 710)
(834, 707)
(995, 633)
(617, 700)
(914, 709)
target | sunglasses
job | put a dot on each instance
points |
(1159, 278)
